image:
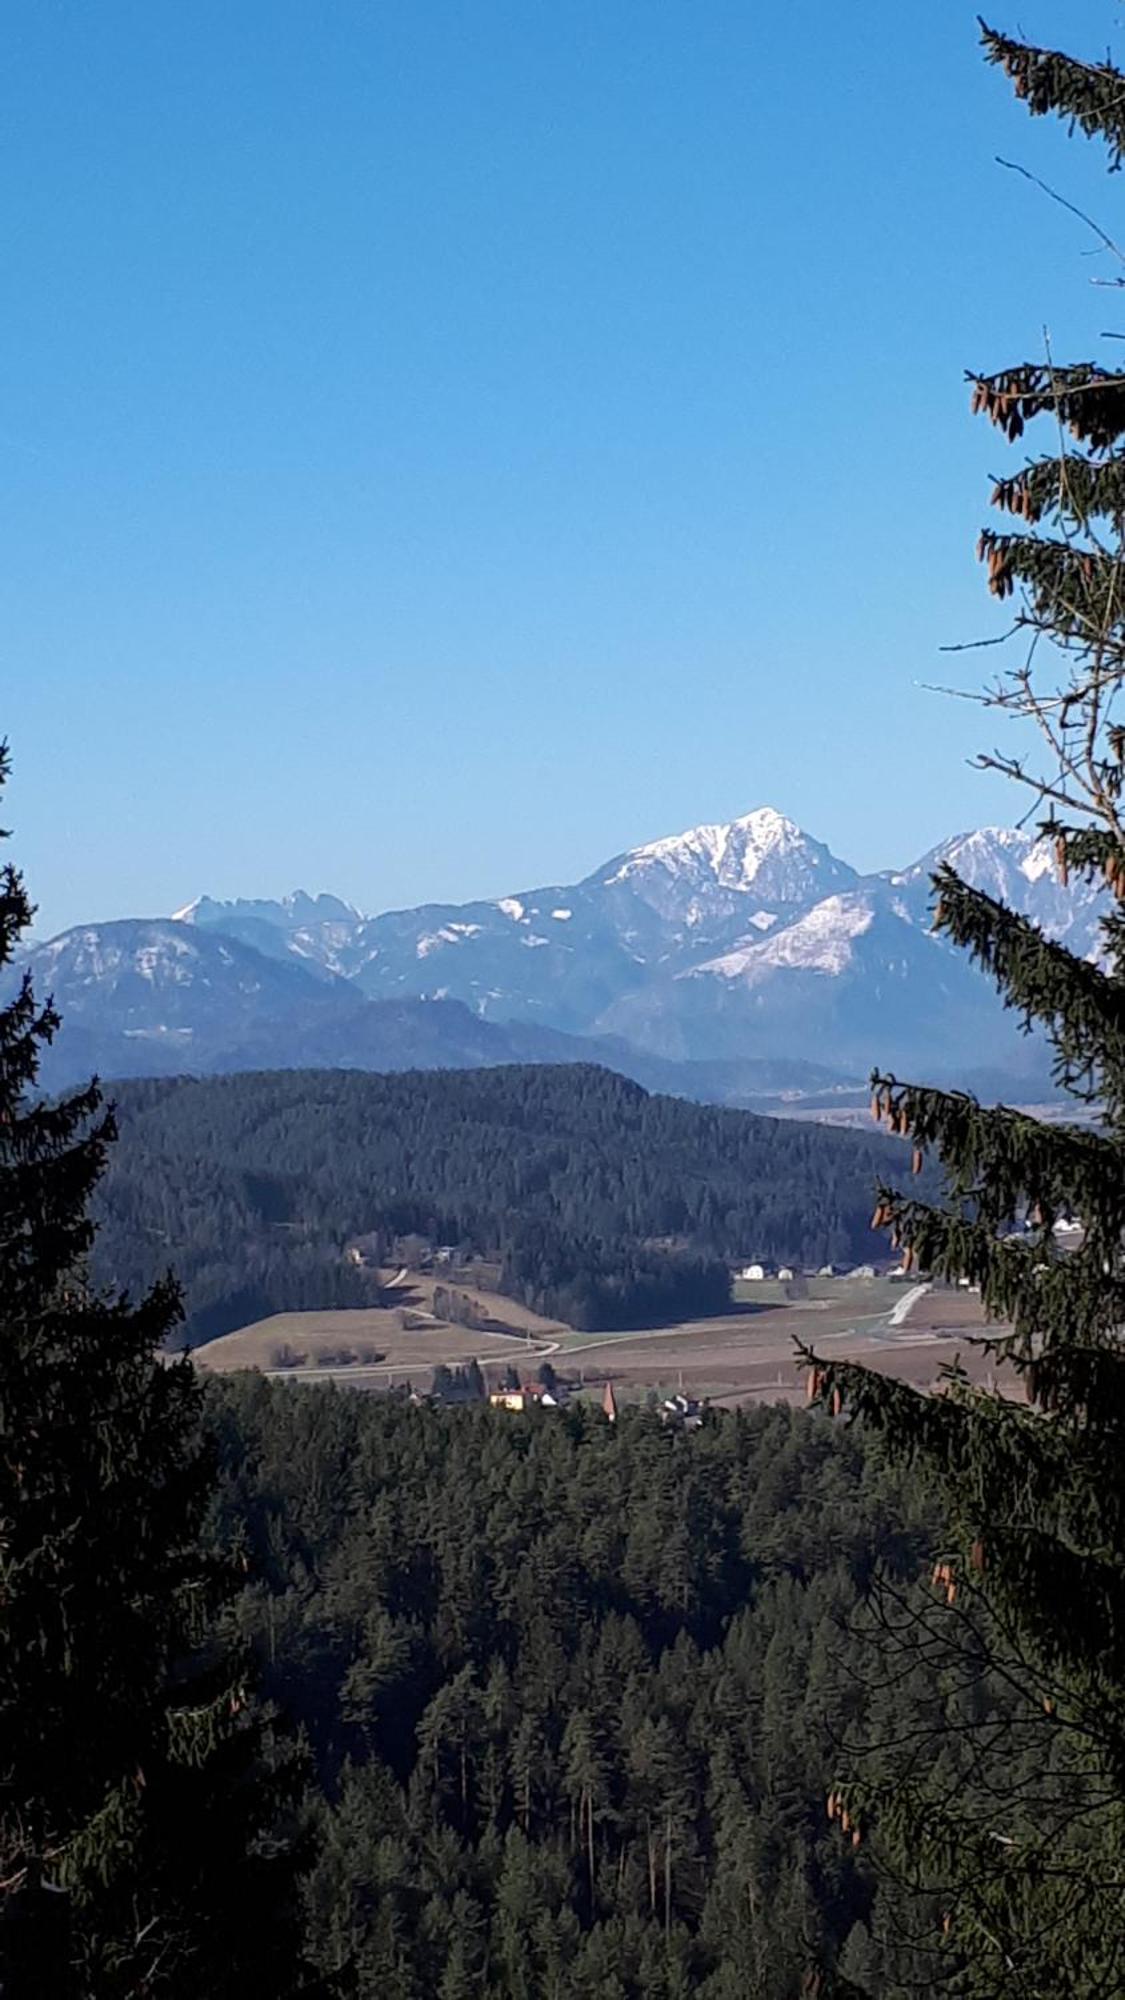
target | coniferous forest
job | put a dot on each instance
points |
(603, 1206)
(573, 1691)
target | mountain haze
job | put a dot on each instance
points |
(731, 949)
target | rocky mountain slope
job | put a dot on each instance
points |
(745, 950)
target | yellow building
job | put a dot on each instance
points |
(509, 1399)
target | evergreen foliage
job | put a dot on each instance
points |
(120, 1728)
(604, 1206)
(573, 1690)
(1088, 94)
(1008, 1822)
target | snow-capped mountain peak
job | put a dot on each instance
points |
(1018, 868)
(993, 852)
(704, 871)
(732, 853)
(738, 938)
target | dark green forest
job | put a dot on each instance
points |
(573, 1691)
(604, 1206)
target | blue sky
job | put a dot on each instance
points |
(448, 443)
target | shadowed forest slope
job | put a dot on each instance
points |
(604, 1206)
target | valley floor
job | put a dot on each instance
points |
(742, 1357)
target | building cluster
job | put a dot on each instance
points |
(682, 1412)
(678, 1411)
(760, 1270)
(411, 1252)
(527, 1396)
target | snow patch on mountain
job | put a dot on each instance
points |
(819, 941)
(448, 934)
(96, 954)
(1039, 861)
(159, 1032)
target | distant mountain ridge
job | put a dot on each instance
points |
(745, 944)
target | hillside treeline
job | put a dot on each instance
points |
(605, 1206)
(574, 1692)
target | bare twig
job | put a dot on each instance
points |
(1013, 167)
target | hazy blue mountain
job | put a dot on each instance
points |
(156, 997)
(317, 929)
(733, 949)
(151, 996)
(852, 978)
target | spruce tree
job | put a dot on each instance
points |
(1001, 1812)
(132, 1849)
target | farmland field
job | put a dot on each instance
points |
(746, 1355)
(381, 1345)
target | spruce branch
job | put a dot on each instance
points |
(1090, 95)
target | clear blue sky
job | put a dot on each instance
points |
(448, 443)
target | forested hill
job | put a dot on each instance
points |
(574, 1693)
(605, 1205)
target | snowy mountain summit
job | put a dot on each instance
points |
(738, 940)
(1017, 868)
(991, 858)
(697, 873)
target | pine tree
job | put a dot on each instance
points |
(123, 1783)
(585, 1783)
(1004, 1817)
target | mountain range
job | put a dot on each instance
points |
(742, 962)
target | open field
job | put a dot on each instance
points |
(407, 1337)
(751, 1359)
(955, 1312)
(504, 1315)
(746, 1355)
(843, 1295)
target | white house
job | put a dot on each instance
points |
(753, 1273)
